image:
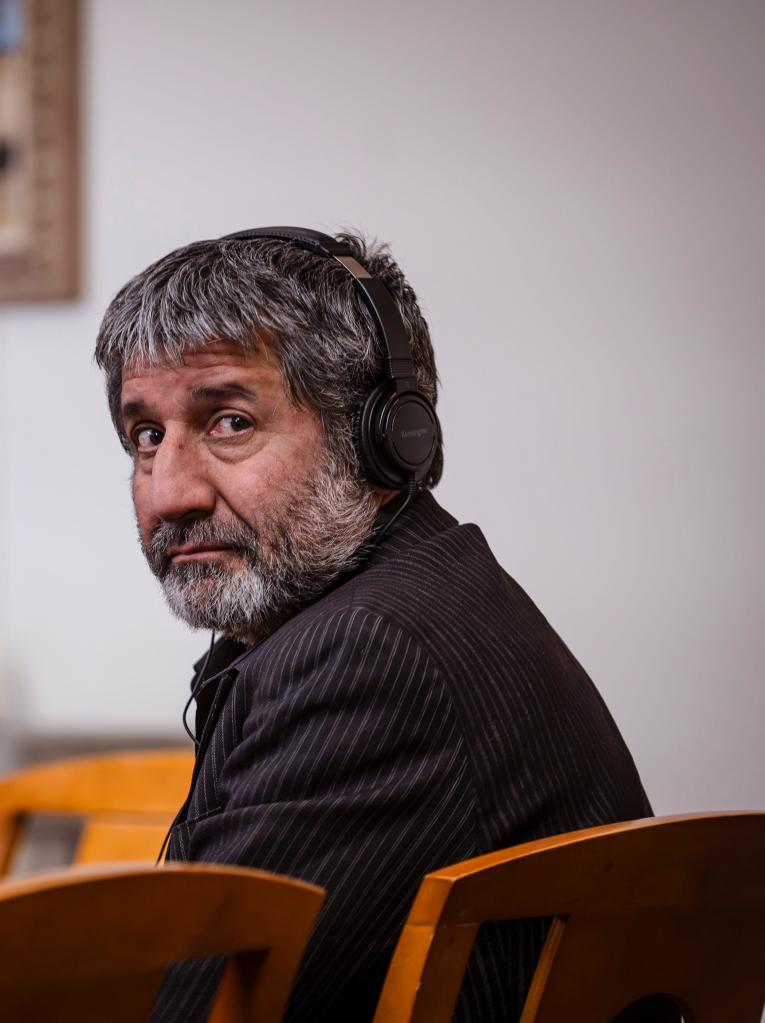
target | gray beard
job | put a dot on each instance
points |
(284, 563)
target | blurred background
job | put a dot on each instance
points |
(576, 192)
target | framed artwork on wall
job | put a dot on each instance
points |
(38, 149)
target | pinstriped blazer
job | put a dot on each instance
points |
(421, 712)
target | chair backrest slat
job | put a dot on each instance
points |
(109, 838)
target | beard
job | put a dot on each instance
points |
(278, 567)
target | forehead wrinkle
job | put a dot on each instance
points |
(218, 352)
(227, 388)
(218, 392)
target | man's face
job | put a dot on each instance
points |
(241, 513)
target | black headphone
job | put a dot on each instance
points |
(397, 429)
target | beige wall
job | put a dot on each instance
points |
(576, 192)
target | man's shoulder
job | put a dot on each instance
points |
(432, 580)
(430, 577)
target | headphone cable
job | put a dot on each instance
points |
(411, 491)
(196, 687)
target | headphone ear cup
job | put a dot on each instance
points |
(358, 445)
(396, 436)
(366, 439)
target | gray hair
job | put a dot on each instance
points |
(262, 292)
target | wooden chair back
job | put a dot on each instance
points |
(670, 906)
(92, 944)
(126, 801)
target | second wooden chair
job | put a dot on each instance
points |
(126, 802)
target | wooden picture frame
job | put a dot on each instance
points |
(38, 149)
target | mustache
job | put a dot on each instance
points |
(238, 535)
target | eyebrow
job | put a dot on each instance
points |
(134, 410)
(139, 409)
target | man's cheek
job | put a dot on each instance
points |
(141, 503)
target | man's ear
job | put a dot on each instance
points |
(383, 496)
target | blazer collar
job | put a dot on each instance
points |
(215, 682)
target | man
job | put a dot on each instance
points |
(383, 699)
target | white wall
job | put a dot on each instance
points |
(576, 193)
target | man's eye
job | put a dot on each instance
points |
(228, 426)
(147, 438)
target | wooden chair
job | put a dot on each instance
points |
(91, 944)
(672, 906)
(127, 801)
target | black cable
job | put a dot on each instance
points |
(196, 685)
(166, 839)
(411, 490)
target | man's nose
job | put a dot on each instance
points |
(179, 486)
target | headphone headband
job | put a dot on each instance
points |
(316, 241)
(397, 354)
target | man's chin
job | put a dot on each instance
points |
(233, 603)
